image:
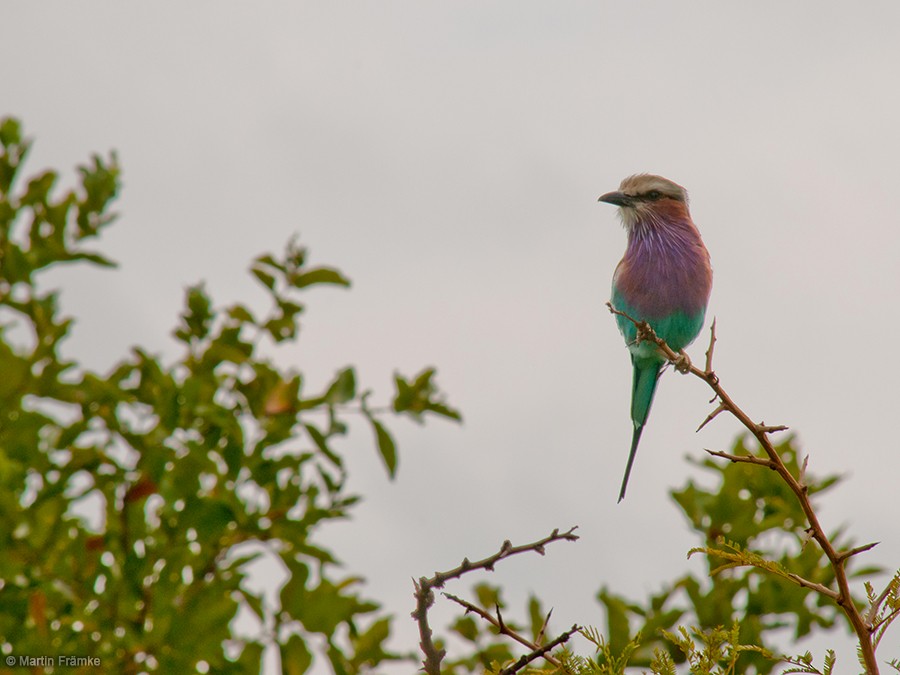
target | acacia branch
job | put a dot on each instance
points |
(503, 629)
(542, 651)
(761, 431)
(424, 589)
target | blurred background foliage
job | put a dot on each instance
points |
(127, 497)
(182, 462)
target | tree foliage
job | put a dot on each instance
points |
(129, 497)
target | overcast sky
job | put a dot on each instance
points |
(448, 158)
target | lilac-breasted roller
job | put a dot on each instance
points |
(663, 279)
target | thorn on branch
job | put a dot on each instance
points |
(540, 635)
(801, 477)
(709, 418)
(844, 555)
(764, 428)
(500, 623)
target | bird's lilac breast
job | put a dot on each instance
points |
(665, 270)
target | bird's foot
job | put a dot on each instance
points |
(682, 362)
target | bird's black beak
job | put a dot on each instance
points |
(617, 198)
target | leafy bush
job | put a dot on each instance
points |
(184, 463)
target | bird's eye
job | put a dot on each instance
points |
(654, 195)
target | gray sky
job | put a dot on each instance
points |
(448, 157)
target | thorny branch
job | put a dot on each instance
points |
(861, 627)
(504, 629)
(424, 593)
(542, 651)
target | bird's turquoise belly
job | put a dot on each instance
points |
(678, 329)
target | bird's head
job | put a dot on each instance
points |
(645, 197)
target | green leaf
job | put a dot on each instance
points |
(16, 371)
(488, 596)
(240, 313)
(15, 149)
(320, 275)
(265, 278)
(419, 396)
(386, 447)
(343, 388)
(10, 131)
(100, 184)
(536, 616)
(95, 258)
(466, 627)
(197, 317)
(295, 656)
(268, 261)
(251, 657)
(39, 188)
(316, 552)
(618, 626)
(369, 645)
(322, 608)
(209, 516)
(321, 443)
(228, 346)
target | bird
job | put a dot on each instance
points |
(664, 278)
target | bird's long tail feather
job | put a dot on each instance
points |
(635, 439)
(646, 376)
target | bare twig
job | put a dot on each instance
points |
(746, 459)
(712, 346)
(542, 651)
(424, 589)
(760, 431)
(818, 588)
(498, 623)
